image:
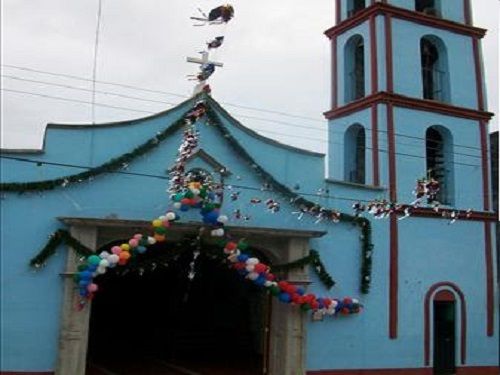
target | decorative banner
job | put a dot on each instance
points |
(221, 14)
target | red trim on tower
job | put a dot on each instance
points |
(394, 261)
(375, 161)
(408, 15)
(488, 255)
(380, 371)
(427, 323)
(373, 54)
(338, 10)
(467, 13)
(444, 296)
(484, 164)
(407, 102)
(478, 370)
(334, 74)
(388, 53)
(479, 74)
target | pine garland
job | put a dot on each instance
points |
(119, 162)
(111, 166)
(61, 236)
(363, 223)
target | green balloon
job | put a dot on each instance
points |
(81, 267)
(94, 260)
(160, 230)
(242, 245)
(189, 194)
(76, 277)
(275, 290)
(305, 307)
(177, 197)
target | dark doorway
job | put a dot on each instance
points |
(150, 318)
(444, 337)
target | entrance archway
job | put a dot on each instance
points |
(286, 344)
(165, 312)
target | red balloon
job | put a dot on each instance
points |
(231, 245)
(186, 201)
(327, 302)
(297, 299)
(314, 305)
(270, 277)
(260, 267)
(347, 301)
(291, 289)
(283, 285)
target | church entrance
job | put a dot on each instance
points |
(186, 314)
(444, 336)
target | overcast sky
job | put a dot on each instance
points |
(275, 54)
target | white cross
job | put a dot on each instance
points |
(204, 60)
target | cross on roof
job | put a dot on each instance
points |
(204, 60)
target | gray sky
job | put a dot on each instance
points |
(275, 54)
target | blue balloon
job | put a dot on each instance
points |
(85, 275)
(242, 258)
(300, 291)
(260, 280)
(92, 267)
(184, 207)
(243, 272)
(84, 283)
(285, 297)
(84, 292)
(141, 249)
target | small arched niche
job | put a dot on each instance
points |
(354, 68)
(435, 69)
(354, 154)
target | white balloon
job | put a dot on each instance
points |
(151, 240)
(217, 232)
(250, 267)
(222, 219)
(170, 216)
(177, 205)
(104, 263)
(252, 261)
(253, 275)
(268, 283)
(233, 258)
(113, 259)
(104, 255)
(101, 270)
(162, 218)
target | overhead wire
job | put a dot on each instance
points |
(261, 130)
(225, 103)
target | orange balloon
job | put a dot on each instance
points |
(124, 255)
(159, 237)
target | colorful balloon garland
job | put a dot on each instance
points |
(196, 191)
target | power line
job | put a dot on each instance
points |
(74, 100)
(261, 130)
(225, 103)
(96, 47)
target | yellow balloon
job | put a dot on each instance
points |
(125, 246)
(157, 223)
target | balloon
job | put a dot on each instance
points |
(93, 259)
(177, 205)
(250, 267)
(133, 242)
(116, 250)
(170, 216)
(125, 247)
(113, 259)
(184, 207)
(177, 197)
(85, 275)
(160, 230)
(261, 280)
(84, 283)
(104, 255)
(223, 219)
(159, 237)
(151, 240)
(156, 223)
(92, 288)
(101, 270)
(260, 268)
(252, 261)
(125, 255)
(104, 263)
(243, 258)
(141, 249)
(253, 275)
(217, 232)
(285, 297)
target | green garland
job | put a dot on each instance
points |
(118, 163)
(363, 223)
(61, 236)
(108, 167)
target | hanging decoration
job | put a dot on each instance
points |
(219, 15)
(215, 43)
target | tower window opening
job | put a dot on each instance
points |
(439, 163)
(428, 7)
(354, 154)
(354, 6)
(355, 69)
(434, 69)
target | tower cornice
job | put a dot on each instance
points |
(405, 14)
(397, 100)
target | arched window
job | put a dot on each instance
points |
(429, 7)
(439, 160)
(354, 65)
(354, 154)
(435, 76)
(354, 6)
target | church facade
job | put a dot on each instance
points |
(408, 100)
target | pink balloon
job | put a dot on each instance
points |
(116, 250)
(133, 242)
(138, 236)
(92, 288)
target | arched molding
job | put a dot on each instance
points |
(436, 290)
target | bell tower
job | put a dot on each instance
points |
(408, 100)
